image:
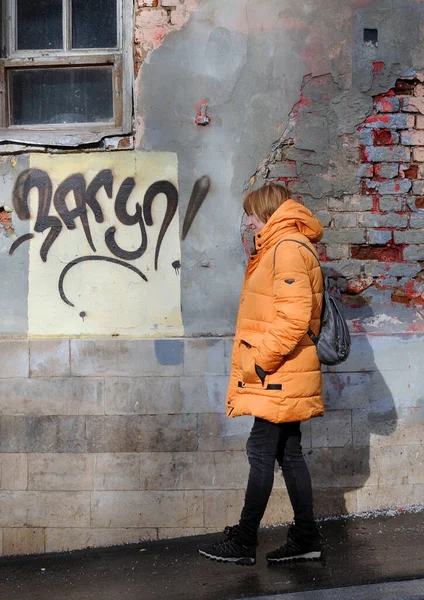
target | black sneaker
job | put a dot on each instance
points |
(236, 549)
(298, 547)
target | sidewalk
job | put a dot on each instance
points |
(361, 552)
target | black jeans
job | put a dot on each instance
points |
(267, 443)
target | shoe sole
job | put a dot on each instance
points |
(307, 556)
(244, 561)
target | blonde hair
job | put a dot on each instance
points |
(264, 202)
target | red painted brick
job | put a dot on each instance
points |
(385, 137)
(412, 172)
(382, 254)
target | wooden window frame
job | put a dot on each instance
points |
(72, 134)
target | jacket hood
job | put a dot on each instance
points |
(290, 217)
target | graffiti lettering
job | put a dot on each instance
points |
(91, 258)
(84, 197)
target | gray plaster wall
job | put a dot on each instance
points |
(14, 272)
(250, 61)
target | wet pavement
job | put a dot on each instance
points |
(381, 556)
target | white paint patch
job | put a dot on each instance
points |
(109, 299)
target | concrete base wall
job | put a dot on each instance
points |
(111, 441)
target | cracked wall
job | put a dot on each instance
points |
(287, 88)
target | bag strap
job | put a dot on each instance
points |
(311, 334)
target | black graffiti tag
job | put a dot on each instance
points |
(85, 197)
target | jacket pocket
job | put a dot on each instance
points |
(247, 363)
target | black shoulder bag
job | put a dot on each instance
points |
(333, 340)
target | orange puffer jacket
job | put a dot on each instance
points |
(281, 299)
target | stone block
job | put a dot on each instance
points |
(388, 466)
(229, 343)
(334, 502)
(147, 509)
(343, 268)
(42, 434)
(418, 186)
(347, 467)
(115, 472)
(14, 358)
(387, 154)
(409, 237)
(391, 203)
(397, 427)
(389, 220)
(23, 540)
(351, 203)
(393, 186)
(142, 433)
(193, 470)
(165, 395)
(417, 220)
(203, 394)
(414, 253)
(376, 269)
(351, 236)
(222, 507)
(379, 237)
(378, 391)
(396, 121)
(388, 170)
(337, 251)
(333, 430)
(13, 471)
(65, 540)
(204, 356)
(383, 353)
(380, 497)
(127, 358)
(218, 433)
(52, 396)
(279, 509)
(342, 220)
(415, 461)
(45, 509)
(142, 395)
(61, 472)
(49, 358)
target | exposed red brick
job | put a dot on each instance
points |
(380, 253)
(404, 88)
(419, 202)
(383, 137)
(412, 172)
(400, 297)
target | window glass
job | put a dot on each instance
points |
(39, 24)
(72, 95)
(94, 25)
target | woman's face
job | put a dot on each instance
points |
(254, 223)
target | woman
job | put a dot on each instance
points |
(276, 374)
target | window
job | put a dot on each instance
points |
(66, 70)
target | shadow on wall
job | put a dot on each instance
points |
(350, 449)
